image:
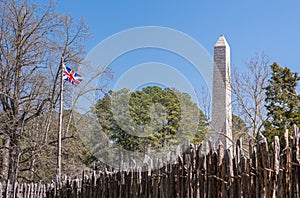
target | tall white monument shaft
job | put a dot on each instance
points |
(221, 99)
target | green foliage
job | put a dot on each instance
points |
(154, 118)
(282, 102)
(240, 130)
(239, 126)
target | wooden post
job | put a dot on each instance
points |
(295, 160)
(0, 190)
(276, 168)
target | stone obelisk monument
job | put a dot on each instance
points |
(221, 97)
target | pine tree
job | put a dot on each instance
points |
(159, 118)
(282, 102)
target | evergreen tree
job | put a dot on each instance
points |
(241, 131)
(282, 102)
(239, 127)
(159, 118)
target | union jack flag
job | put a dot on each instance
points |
(71, 76)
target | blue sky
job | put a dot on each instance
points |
(272, 27)
(250, 27)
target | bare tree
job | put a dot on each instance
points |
(204, 101)
(33, 41)
(248, 93)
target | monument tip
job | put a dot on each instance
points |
(221, 41)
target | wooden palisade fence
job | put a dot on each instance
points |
(265, 173)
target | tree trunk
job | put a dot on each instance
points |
(5, 159)
(14, 161)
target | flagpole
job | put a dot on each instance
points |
(60, 124)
